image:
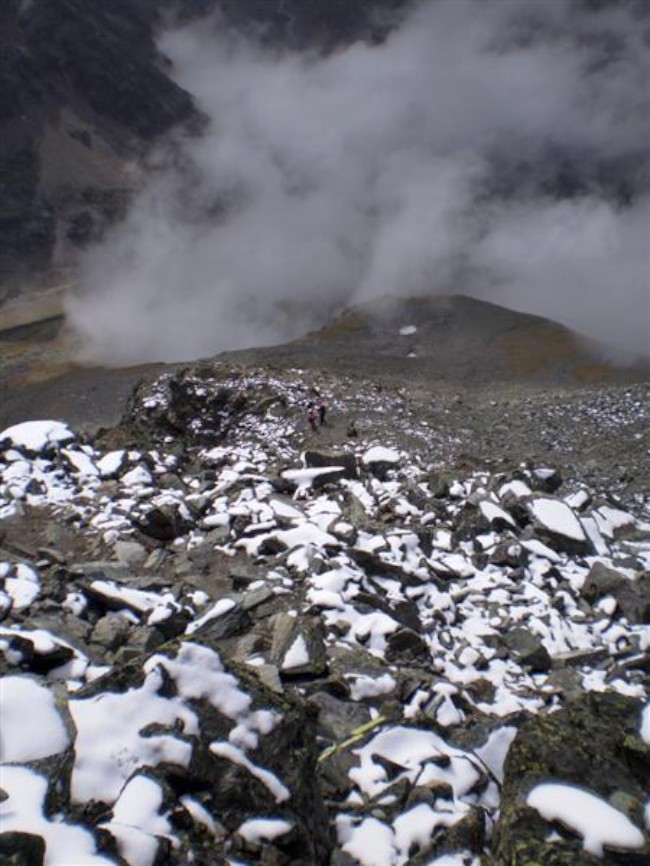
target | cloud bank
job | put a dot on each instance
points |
(486, 148)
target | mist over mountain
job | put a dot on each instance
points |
(322, 155)
(493, 149)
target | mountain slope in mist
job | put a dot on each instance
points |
(493, 149)
(454, 339)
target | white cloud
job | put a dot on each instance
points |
(429, 163)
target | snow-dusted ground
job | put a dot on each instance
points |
(379, 560)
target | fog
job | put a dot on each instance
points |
(496, 149)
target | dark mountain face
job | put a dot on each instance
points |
(84, 92)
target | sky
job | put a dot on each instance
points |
(488, 148)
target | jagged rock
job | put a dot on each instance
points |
(252, 752)
(508, 553)
(255, 598)
(406, 645)
(440, 482)
(164, 523)
(99, 569)
(379, 461)
(21, 849)
(593, 743)
(37, 656)
(577, 658)
(337, 719)
(111, 631)
(297, 646)
(468, 834)
(557, 524)
(632, 595)
(202, 556)
(566, 681)
(404, 612)
(547, 479)
(375, 566)
(233, 622)
(528, 649)
(131, 553)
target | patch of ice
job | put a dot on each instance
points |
(370, 841)
(199, 674)
(110, 463)
(417, 826)
(23, 588)
(136, 477)
(81, 462)
(363, 687)
(136, 821)
(199, 813)
(493, 512)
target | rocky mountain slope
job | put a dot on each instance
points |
(226, 639)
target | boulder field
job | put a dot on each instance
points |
(225, 640)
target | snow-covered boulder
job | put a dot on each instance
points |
(35, 437)
(595, 744)
(557, 524)
(379, 460)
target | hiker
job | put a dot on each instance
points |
(311, 417)
(322, 412)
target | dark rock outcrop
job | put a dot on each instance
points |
(632, 596)
(594, 743)
(82, 91)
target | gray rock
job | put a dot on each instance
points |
(406, 645)
(297, 646)
(577, 658)
(632, 596)
(230, 624)
(337, 719)
(131, 553)
(527, 649)
(548, 479)
(256, 597)
(111, 631)
(100, 569)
